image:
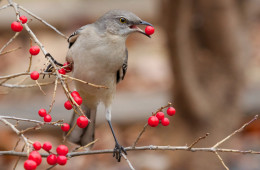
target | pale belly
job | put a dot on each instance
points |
(97, 61)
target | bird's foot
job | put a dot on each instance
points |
(118, 152)
(49, 68)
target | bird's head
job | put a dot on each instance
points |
(120, 22)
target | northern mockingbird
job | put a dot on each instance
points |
(99, 55)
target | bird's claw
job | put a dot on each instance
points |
(118, 152)
(49, 68)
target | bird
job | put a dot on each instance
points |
(99, 55)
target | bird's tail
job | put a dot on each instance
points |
(86, 135)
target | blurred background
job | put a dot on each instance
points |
(203, 57)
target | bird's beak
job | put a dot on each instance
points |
(139, 29)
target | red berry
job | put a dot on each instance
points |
(153, 121)
(74, 94)
(160, 115)
(68, 105)
(171, 111)
(78, 100)
(82, 122)
(30, 165)
(34, 50)
(165, 121)
(23, 19)
(62, 71)
(62, 150)
(47, 146)
(65, 127)
(47, 118)
(16, 26)
(42, 112)
(35, 75)
(149, 30)
(52, 159)
(35, 156)
(61, 160)
(37, 145)
(67, 67)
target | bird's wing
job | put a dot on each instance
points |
(122, 71)
(73, 37)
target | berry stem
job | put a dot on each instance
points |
(145, 126)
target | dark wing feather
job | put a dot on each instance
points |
(73, 37)
(122, 71)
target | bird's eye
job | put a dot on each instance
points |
(122, 20)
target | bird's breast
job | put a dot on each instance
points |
(97, 58)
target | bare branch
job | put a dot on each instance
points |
(129, 163)
(43, 21)
(235, 132)
(150, 147)
(10, 51)
(91, 84)
(5, 6)
(29, 120)
(145, 126)
(53, 97)
(221, 160)
(25, 86)
(87, 145)
(14, 75)
(17, 132)
(11, 40)
(200, 138)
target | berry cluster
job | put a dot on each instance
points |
(153, 121)
(66, 68)
(76, 98)
(82, 121)
(46, 117)
(17, 26)
(35, 159)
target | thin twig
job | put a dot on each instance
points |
(69, 132)
(221, 160)
(14, 75)
(36, 81)
(30, 120)
(6, 52)
(87, 145)
(53, 96)
(140, 134)
(91, 84)
(38, 126)
(17, 143)
(43, 21)
(140, 148)
(51, 167)
(200, 138)
(129, 163)
(163, 107)
(30, 59)
(16, 163)
(235, 132)
(145, 126)
(17, 132)
(5, 6)
(25, 86)
(11, 40)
